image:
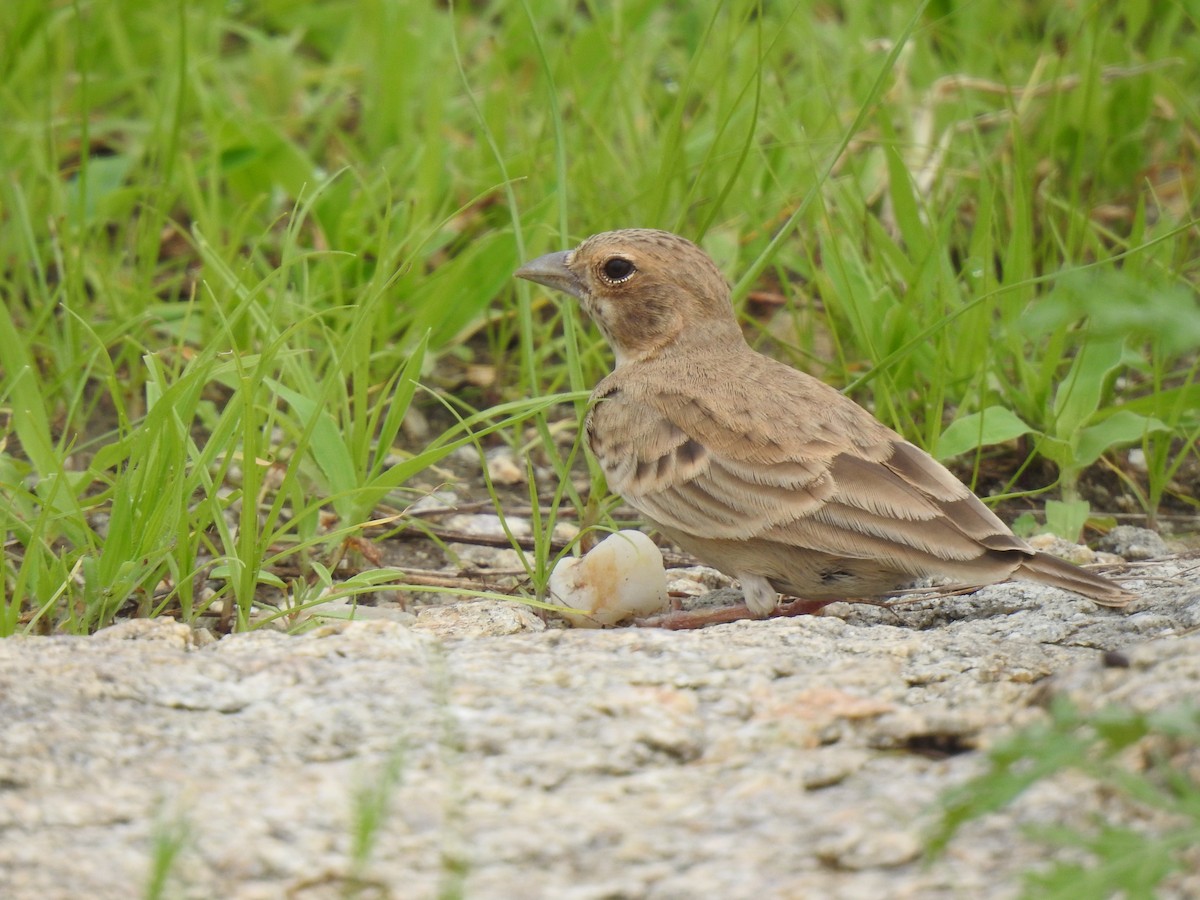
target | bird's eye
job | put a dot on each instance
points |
(617, 269)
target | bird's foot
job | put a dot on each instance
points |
(797, 607)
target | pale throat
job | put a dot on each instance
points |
(622, 356)
(625, 353)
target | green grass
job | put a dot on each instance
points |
(170, 839)
(1141, 759)
(237, 236)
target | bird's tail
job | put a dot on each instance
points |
(1046, 569)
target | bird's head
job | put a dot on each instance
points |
(644, 289)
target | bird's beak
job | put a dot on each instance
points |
(552, 271)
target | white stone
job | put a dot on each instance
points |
(503, 467)
(622, 577)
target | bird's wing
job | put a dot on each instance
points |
(810, 469)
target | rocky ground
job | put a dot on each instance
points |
(799, 757)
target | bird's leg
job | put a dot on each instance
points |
(685, 619)
(762, 601)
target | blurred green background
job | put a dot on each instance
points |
(237, 235)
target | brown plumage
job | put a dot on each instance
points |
(758, 469)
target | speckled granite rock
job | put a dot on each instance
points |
(797, 757)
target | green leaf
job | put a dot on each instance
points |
(22, 389)
(1180, 403)
(1066, 518)
(1025, 524)
(328, 447)
(1057, 450)
(1080, 395)
(226, 571)
(994, 425)
(1122, 427)
(406, 386)
(904, 202)
(104, 177)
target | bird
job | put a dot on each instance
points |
(758, 469)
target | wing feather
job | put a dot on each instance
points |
(838, 483)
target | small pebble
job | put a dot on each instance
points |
(503, 467)
(1130, 542)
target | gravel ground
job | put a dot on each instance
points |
(786, 758)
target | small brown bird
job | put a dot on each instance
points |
(758, 469)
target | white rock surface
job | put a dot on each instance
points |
(779, 758)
